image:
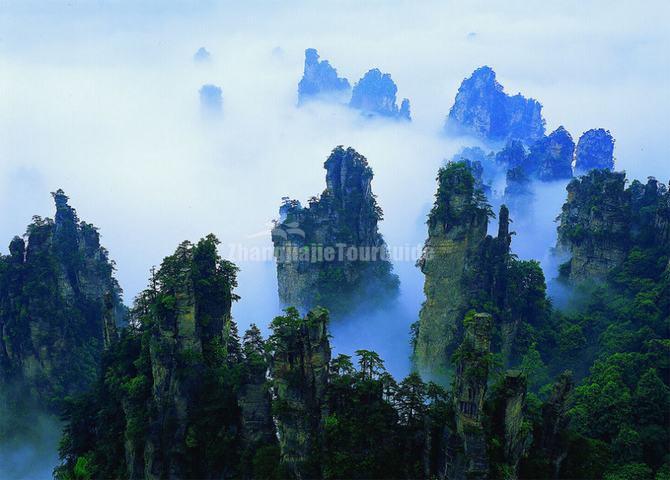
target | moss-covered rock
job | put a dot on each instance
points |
(59, 307)
(456, 226)
(300, 365)
(602, 220)
(331, 253)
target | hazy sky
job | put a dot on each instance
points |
(101, 99)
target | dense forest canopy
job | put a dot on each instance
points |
(535, 392)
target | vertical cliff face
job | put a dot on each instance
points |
(375, 94)
(177, 399)
(594, 224)
(650, 212)
(456, 226)
(319, 79)
(470, 384)
(493, 429)
(300, 359)
(331, 253)
(513, 155)
(255, 399)
(550, 436)
(595, 149)
(601, 221)
(59, 305)
(483, 109)
(509, 432)
(466, 269)
(190, 337)
(178, 394)
(551, 157)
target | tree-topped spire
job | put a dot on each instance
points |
(60, 198)
(330, 253)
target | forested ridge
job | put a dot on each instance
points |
(530, 390)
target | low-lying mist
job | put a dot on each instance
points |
(28, 439)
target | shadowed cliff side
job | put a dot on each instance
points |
(466, 269)
(602, 221)
(59, 308)
(331, 252)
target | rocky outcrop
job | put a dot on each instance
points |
(375, 94)
(470, 384)
(594, 225)
(405, 110)
(466, 269)
(331, 252)
(202, 55)
(457, 225)
(552, 438)
(518, 436)
(319, 79)
(189, 328)
(550, 158)
(483, 166)
(595, 149)
(59, 306)
(650, 214)
(211, 99)
(483, 109)
(255, 399)
(518, 191)
(178, 395)
(513, 155)
(299, 366)
(602, 220)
